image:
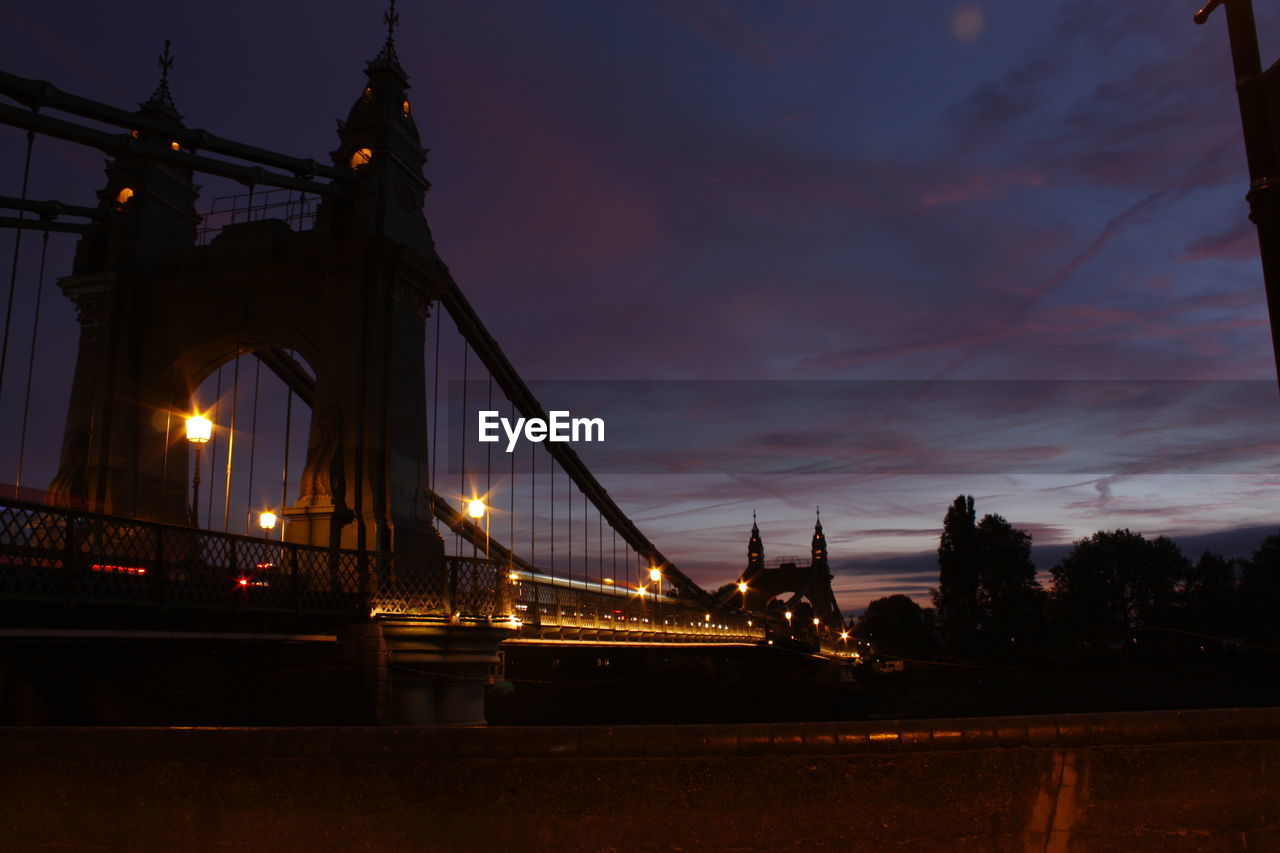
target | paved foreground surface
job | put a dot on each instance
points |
(1166, 781)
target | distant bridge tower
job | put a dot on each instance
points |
(158, 314)
(790, 584)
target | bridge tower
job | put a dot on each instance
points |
(158, 314)
(791, 582)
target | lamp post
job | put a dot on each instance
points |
(742, 588)
(267, 521)
(1255, 92)
(199, 430)
(655, 575)
(477, 510)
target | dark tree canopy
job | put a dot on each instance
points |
(1117, 580)
(1208, 598)
(895, 625)
(1260, 591)
(1009, 598)
(988, 599)
(956, 597)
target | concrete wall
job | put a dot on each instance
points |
(1190, 780)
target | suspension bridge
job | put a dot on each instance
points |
(193, 489)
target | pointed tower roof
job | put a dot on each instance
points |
(818, 546)
(755, 550)
(161, 101)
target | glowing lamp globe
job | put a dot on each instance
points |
(267, 520)
(475, 508)
(199, 429)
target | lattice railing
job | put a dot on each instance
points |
(59, 555)
(558, 605)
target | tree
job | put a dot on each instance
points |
(1260, 591)
(956, 597)
(1117, 580)
(1209, 597)
(894, 625)
(1009, 599)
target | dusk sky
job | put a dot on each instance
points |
(925, 192)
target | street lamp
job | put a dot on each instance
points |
(199, 431)
(655, 575)
(477, 510)
(267, 521)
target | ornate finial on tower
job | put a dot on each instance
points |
(391, 19)
(166, 62)
(161, 99)
(388, 58)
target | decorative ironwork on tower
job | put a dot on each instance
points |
(161, 100)
(388, 54)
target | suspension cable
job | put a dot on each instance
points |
(435, 413)
(164, 462)
(13, 272)
(213, 451)
(253, 444)
(533, 503)
(231, 440)
(551, 486)
(284, 474)
(462, 473)
(568, 511)
(488, 459)
(511, 531)
(31, 363)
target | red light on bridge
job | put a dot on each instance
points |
(244, 581)
(118, 570)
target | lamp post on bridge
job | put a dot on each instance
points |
(655, 575)
(477, 510)
(199, 431)
(267, 521)
(1256, 92)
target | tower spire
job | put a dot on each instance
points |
(755, 550)
(818, 548)
(387, 57)
(161, 99)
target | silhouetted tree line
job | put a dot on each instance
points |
(1112, 588)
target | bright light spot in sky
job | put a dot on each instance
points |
(967, 23)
